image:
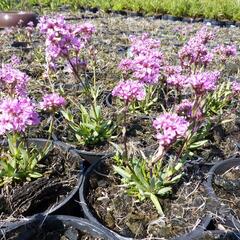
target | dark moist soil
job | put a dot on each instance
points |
(51, 233)
(129, 217)
(60, 175)
(227, 188)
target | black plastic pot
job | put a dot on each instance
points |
(228, 23)
(89, 213)
(93, 157)
(218, 169)
(68, 205)
(28, 230)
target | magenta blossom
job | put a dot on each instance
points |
(226, 51)
(170, 127)
(146, 69)
(235, 87)
(204, 82)
(62, 38)
(143, 45)
(185, 108)
(145, 60)
(129, 91)
(17, 114)
(52, 102)
(13, 81)
(172, 70)
(85, 30)
(178, 81)
(195, 50)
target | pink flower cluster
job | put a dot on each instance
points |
(195, 50)
(185, 108)
(17, 114)
(204, 82)
(226, 51)
(129, 91)
(63, 38)
(143, 45)
(235, 87)
(145, 59)
(179, 81)
(13, 81)
(51, 102)
(172, 70)
(170, 127)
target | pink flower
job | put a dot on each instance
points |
(17, 114)
(51, 102)
(129, 91)
(179, 81)
(204, 82)
(63, 38)
(126, 65)
(195, 50)
(169, 128)
(235, 87)
(85, 30)
(226, 51)
(15, 60)
(185, 108)
(172, 70)
(145, 60)
(143, 44)
(13, 81)
(146, 69)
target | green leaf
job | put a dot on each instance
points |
(176, 178)
(35, 175)
(156, 203)
(122, 172)
(198, 144)
(164, 191)
(140, 176)
(178, 166)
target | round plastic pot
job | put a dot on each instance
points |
(218, 169)
(14, 19)
(89, 213)
(27, 230)
(93, 157)
(68, 205)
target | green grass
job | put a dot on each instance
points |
(211, 9)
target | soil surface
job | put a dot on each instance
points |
(130, 217)
(60, 175)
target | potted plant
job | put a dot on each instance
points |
(36, 175)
